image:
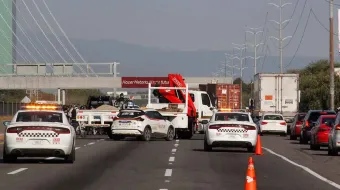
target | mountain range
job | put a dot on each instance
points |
(137, 60)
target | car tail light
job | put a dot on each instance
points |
(249, 127)
(307, 124)
(263, 123)
(114, 118)
(214, 126)
(323, 112)
(14, 130)
(337, 127)
(283, 123)
(61, 130)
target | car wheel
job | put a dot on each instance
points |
(8, 158)
(72, 157)
(251, 149)
(170, 134)
(146, 134)
(207, 147)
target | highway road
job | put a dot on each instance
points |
(178, 165)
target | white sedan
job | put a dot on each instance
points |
(273, 123)
(230, 129)
(143, 124)
(39, 133)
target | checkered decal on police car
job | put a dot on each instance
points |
(232, 130)
(38, 134)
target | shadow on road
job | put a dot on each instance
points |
(36, 161)
(294, 142)
(222, 150)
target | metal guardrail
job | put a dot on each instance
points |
(9, 108)
(60, 69)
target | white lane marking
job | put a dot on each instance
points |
(50, 158)
(170, 163)
(176, 145)
(174, 150)
(304, 168)
(168, 172)
(172, 159)
(17, 171)
(173, 153)
(167, 181)
(101, 139)
(163, 189)
(177, 140)
(91, 143)
(77, 148)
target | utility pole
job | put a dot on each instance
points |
(280, 23)
(331, 53)
(255, 45)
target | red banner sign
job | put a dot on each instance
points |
(142, 82)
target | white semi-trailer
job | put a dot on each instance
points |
(276, 93)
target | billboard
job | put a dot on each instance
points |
(6, 36)
(142, 82)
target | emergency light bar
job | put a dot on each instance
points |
(41, 107)
(231, 110)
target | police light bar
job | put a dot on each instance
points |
(231, 110)
(41, 107)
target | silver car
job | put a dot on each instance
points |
(334, 137)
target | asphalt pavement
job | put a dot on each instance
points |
(180, 164)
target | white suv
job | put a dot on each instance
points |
(143, 124)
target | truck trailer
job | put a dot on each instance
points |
(276, 93)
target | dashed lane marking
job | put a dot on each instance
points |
(50, 158)
(77, 148)
(177, 140)
(304, 168)
(168, 173)
(163, 189)
(174, 150)
(172, 159)
(17, 171)
(176, 145)
(173, 153)
(91, 143)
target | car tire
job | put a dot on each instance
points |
(207, 147)
(8, 158)
(332, 152)
(170, 135)
(302, 141)
(71, 157)
(251, 149)
(147, 134)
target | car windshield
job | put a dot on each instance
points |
(272, 117)
(314, 116)
(231, 117)
(130, 114)
(38, 116)
(328, 120)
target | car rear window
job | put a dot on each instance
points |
(130, 114)
(314, 116)
(231, 117)
(272, 117)
(34, 116)
(328, 120)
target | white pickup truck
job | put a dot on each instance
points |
(177, 113)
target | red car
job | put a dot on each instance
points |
(295, 128)
(320, 130)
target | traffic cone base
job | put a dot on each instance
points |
(250, 183)
(258, 148)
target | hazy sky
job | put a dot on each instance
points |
(190, 24)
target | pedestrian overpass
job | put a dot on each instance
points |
(73, 76)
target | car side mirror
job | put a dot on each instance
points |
(204, 122)
(6, 123)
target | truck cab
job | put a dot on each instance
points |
(204, 107)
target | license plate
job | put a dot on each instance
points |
(38, 142)
(232, 136)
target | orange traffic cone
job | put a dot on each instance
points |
(258, 148)
(250, 178)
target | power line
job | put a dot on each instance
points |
(318, 20)
(332, 2)
(298, 24)
(291, 17)
(303, 34)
